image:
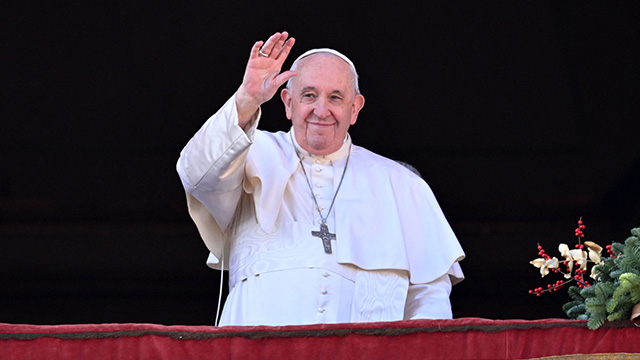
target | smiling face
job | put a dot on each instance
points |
(322, 103)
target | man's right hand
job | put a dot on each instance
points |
(262, 77)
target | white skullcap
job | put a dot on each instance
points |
(327, 50)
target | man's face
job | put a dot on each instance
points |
(322, 103)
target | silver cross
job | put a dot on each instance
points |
(326, 237)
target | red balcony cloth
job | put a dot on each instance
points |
(466, 338)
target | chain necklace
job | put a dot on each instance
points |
(324, 233)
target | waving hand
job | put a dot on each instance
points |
(262, 77)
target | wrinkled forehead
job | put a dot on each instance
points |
(325, 64)
(343, 62)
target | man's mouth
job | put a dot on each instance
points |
(322, 124)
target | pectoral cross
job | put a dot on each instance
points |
(326, 237)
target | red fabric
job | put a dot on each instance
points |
(468, 338)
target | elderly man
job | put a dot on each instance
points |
(312, 228)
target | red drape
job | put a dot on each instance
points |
(467, 338)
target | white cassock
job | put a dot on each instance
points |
(395, 256)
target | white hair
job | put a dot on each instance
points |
(352, 67)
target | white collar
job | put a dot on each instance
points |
(337, 155)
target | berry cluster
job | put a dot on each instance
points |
(579, 232)
(579, 276)
(543, 253)
(573, 268)
(550, 287)
(610, 251)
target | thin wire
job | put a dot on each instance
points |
(221, 285)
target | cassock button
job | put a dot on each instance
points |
(326, 274)
(324, 292)
(321, 310)
(317, 169)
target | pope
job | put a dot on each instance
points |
(311, 227)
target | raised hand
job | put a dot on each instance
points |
(262, 77)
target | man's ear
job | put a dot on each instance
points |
(285, 95)
(358, 103)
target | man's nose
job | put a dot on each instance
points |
(321, 109)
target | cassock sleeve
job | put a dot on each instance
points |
(211, 168)
(429, 301)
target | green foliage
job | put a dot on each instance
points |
(614, 274)
(617, 248)
(625, 296)
(606, 270)
(596, 306)
(616, 290)
(629, 259)
(596, 313)
(629, 284)
(575, 308)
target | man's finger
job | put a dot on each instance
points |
(286, 49)
(256, 49)
(271, 43)
(278, 44)
(282, 78)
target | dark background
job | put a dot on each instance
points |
(520, 115)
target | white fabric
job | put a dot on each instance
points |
(246, 190)
(326, 50)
